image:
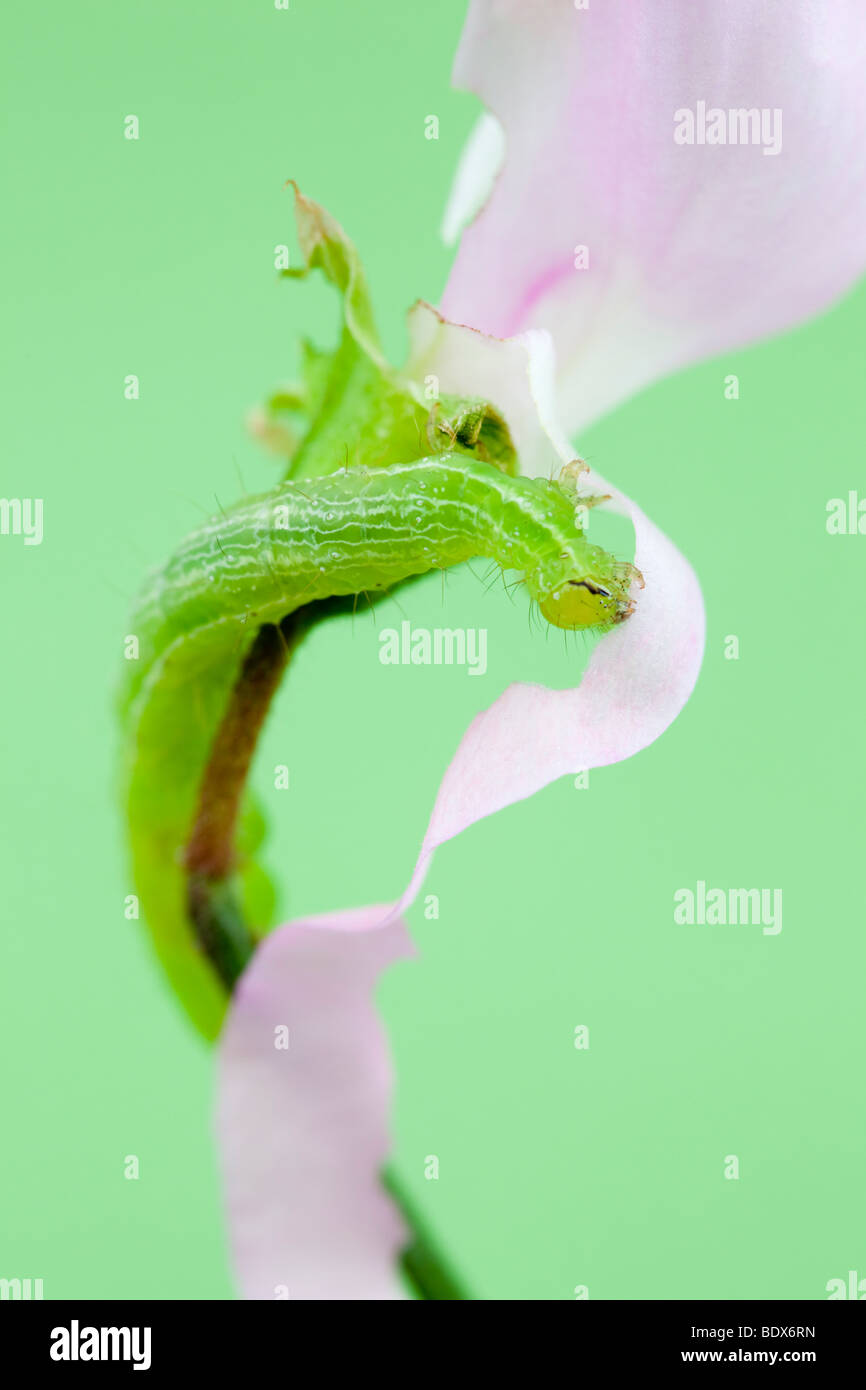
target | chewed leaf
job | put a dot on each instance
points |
(326, 247)
(358, 409)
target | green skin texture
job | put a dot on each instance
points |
(433, 489)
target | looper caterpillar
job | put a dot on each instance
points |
(216, 624)
(289, 552)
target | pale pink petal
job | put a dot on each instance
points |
(304, 1131)
(693, 249)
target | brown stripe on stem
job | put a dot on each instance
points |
(210, 851)
(209, 858)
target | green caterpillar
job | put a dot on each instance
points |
(356, 531)
(216, 625)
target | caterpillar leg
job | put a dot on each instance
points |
(569, 482)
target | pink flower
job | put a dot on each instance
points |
(693, 248)
(689, 249)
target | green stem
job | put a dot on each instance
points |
(421, 1262)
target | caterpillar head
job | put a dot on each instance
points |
(584, 587)
(597, 599)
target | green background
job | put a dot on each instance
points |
(557, 1167)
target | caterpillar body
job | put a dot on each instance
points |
(231, 601)
(355, 531)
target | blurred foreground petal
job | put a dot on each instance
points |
(304, 1129)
